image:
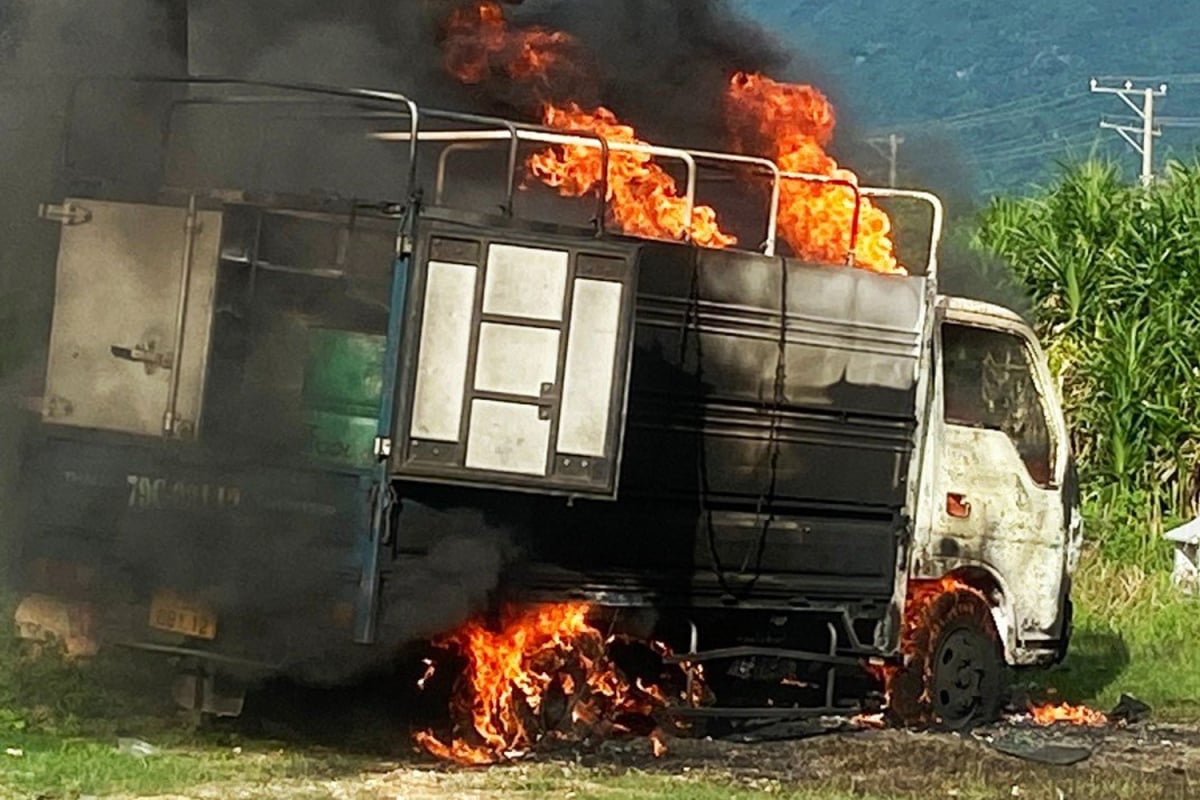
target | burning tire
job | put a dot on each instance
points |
(955, 675)
(967, 680)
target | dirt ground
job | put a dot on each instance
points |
(1145, 762)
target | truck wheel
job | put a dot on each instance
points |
(965, 667)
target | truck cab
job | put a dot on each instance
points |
(1001, 502)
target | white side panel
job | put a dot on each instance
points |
(118, 287)
(591, 358)
(445, 345)
(516, 360)
(507, 437)
(525, 282)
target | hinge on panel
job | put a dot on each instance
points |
(383, 447)
(66, 214)
(178, 427)
(404, 246)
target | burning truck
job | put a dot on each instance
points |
(709, 399)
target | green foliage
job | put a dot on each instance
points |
(1112, 270)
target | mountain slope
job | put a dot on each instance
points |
(1006, 82)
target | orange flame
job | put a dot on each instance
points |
(1067, 713)
(918, 630)
(795, 123)
(875, 721)
(921, 595)
(642, 197)
(657, 746)
(479, 43)
(512, 671)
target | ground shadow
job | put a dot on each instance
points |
(1095, 660)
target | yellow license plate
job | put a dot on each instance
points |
(170, 611)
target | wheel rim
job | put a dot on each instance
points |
(960, 667)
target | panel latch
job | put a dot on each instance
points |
(66, 214)
(144, 355)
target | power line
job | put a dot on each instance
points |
(1036, 138)
(1029, 151)
(1171, 77)
(995, 114)
(1033, 110)
(1145, 116)
(1180, 122)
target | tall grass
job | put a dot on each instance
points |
(1134, 633)
(1114, 274)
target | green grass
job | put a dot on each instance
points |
(1134, 633)
(56, 767)
(64, 721)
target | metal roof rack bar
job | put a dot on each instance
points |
(559, 138)
(936, 226)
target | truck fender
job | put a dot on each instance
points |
(982, 577)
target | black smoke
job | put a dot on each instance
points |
(44, 47)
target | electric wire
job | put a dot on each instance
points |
(993, 115)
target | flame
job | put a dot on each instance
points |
(657, 746)
(921, 596)
(1065, 712)
(643, 199)
(918, 633)
(510, 673)
(430, 669)
(794, 123)
(479, 43)
(876, 721)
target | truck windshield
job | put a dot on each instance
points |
(989, 383)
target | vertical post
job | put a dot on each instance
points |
(893, 147)
(372, 515)
(892, 153)
(1128, 129)
(375, 490)
(1148, 137)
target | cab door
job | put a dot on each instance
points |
(998, 500)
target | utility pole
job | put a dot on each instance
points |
(1145, 114)
(892, 142)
